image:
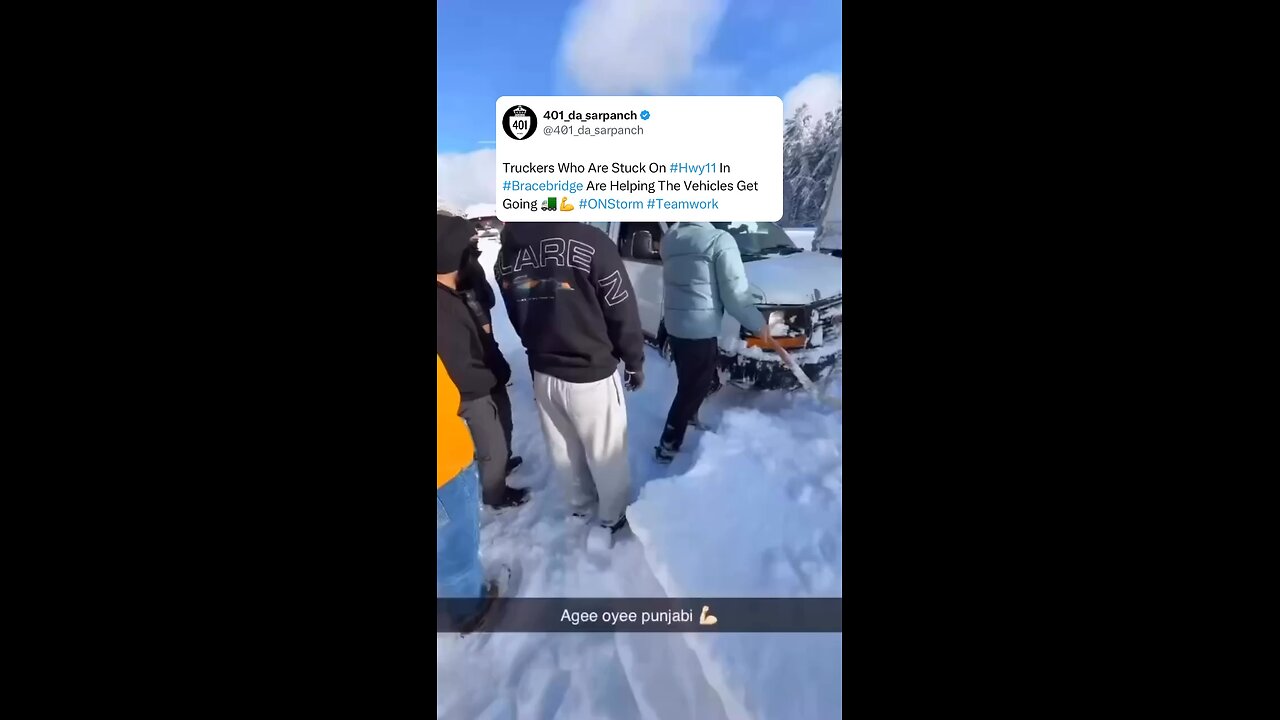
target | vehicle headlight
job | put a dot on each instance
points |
(788, 325)
(794, 319)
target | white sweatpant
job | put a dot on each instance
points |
(586, 429)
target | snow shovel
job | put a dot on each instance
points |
(794, 366)
(805, 382)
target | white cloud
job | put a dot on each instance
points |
(464, 179)
(627, 46)
(820, 91)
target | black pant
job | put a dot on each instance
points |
(489, 419)
(696, 371)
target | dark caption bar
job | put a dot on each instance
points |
(801, 615)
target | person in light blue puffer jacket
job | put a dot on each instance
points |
(702, 277)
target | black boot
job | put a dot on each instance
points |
(475, 622)
(512, 497)
(665, 452)
(614, 528)
(499, 585)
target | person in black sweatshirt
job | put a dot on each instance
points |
(473, 360)
(569, 298)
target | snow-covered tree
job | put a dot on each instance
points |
(793, 174)
(810, 151)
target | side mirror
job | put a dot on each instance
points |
(642, 245)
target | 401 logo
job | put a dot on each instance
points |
(519, 122)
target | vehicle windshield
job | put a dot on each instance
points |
(758, 239)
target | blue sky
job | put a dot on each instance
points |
(490, 48)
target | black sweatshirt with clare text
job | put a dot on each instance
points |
(570, 300)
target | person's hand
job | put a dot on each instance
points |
(501, 370)
(635, 378)
(664, 347)
(765, 335)
(769, 340)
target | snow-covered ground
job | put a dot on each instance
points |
(752, 509)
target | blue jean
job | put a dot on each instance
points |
(458, 570)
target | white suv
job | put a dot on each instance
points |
(798, 292)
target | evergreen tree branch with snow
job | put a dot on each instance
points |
(810, 152)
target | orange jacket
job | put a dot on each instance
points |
(454, 449)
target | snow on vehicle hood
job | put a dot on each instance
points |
(791, 279)
(802, 237)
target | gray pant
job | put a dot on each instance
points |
(489, 418)
(586, 429)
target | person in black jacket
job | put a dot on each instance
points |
(569, 298)
(473, 360)
(475, 287)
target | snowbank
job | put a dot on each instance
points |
(757, 515)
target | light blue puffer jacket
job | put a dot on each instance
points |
(703, 277)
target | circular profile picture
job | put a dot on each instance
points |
(519, 122)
